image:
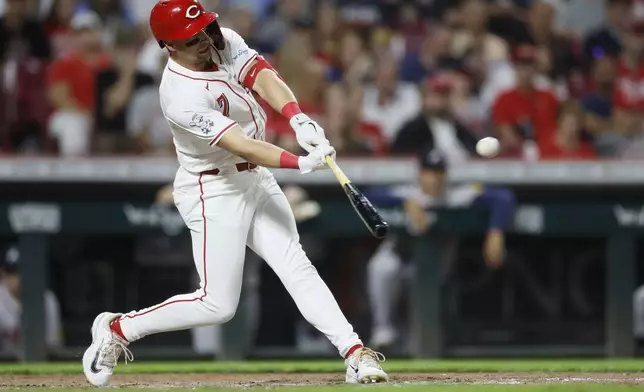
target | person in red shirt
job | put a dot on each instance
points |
(526, 117)
(72, 86)
(525, 114)
(628, 94)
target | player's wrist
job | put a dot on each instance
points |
(291, 110)
(289, 161)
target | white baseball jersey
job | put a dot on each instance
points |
(201, 107)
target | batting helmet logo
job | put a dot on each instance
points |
(175, 20)
(193, 12)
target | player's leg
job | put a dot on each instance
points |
(219, 227)
(273, 236)
(383, 285)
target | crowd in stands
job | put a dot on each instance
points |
(552, 79)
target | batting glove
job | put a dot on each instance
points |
(316, 160)
(309, 133)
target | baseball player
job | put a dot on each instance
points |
(225, 194)
(389, 264)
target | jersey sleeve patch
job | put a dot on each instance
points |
(203, 123)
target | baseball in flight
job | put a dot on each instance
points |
(488, 147)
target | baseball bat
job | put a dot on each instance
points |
(363, 207)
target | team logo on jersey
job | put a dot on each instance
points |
(193, 12)
(205, 124)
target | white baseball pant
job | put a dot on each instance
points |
(224, 214)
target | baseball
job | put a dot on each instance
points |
(488, 147)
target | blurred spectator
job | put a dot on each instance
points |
(410, 25)
(628, 95)
(243, 21)
(577, 18)
(72, 86)
(435, 127)
(10, 308)
(607, 39)
(555, 53)
(473, 42)
(388, 103)
(525, 114)
(276, 27)
(115, 88)
(20, 35)
(145, 122)
(24, 51)
(628, 98)
(466, 104)
(597, 106)
(570, 140)
(354, 64)
(342, 126)
(328, 33)
(57, 26)
(435, 52)
(114, 16)
(526, 118)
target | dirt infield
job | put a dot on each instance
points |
(309, 379)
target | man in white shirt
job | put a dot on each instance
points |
(225, 193)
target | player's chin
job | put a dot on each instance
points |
(203, 56)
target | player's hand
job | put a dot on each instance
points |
(316, 160)
(494, 249)
(418, 220)
(309, 133)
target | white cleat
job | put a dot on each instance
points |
(101, 357)
(363, 367)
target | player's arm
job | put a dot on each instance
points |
(216, 130)
(257, 74)
(269, 155)
(501, 202)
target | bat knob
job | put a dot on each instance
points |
(381, 230)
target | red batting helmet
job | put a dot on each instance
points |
(172, 20)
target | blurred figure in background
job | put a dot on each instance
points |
(116, 88)
(390, 263)
(597, 106)
(114, 16)
(628, 98)
(388, 102)
(525, 116)
(24, 53)
(435, 52)
(21, 35)
(473, 42)
(11, 309)
(607, 39)
(57, 25)
(72, 87)
(276, 27)
(145, 123)
(435, 125)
